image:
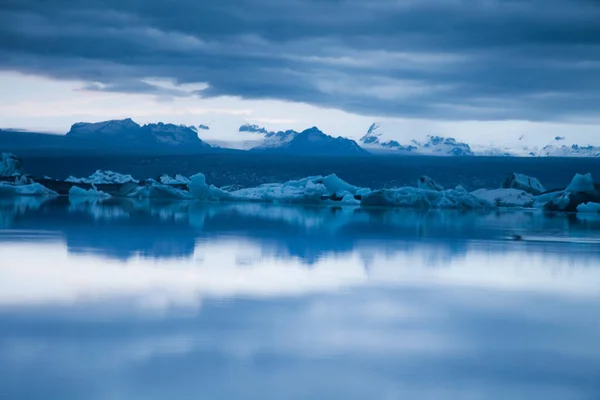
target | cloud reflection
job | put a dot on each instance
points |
(233, 301)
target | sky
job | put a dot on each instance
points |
(479, 70)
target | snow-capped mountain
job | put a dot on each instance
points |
(437, 145)
(127, 132)
(434, 145)
(574, 150)
(372, 136)
(308, 142)
(114, 128)
(374, 139)
(271, 139)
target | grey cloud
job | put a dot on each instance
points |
(458, 59)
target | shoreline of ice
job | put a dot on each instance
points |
(517, 192)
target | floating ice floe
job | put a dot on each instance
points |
(505, 197)
(561, 202)
(581, 195)
(159, 191)
(427, 194)
(177, 180)
(311, 190)
(581, 184)
(523, 182)
(199, 189)
(10, 165)
(31, 189)
(422, 198)
(23, 180)
(580, 191)
(350, 199)
(591, 208)
(93, 192)
(541, 200)
(103, 177)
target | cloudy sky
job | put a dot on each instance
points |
(480, 70)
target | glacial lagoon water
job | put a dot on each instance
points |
(174, 300)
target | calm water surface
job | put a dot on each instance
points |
(151, 300)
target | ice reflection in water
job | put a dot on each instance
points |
(126, 299)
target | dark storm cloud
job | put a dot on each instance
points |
(487, 59)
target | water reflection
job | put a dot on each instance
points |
(121, 229)
(149, 300)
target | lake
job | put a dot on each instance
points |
(148, 300)
(249, 169)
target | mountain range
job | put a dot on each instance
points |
(434, 145)
(126, 136)
(128, 133)
(308, 142)
(113, 137)
(374, 140)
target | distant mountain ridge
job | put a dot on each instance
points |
(311, 141)
(447, 146)
(567, 151)
(435, 145)
(271, 139)
(126, 136)
(127, 132)
(110, 137)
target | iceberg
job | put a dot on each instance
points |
(32, 189)
(559, 203)
(422, 198)
(590, 208)
(103, 177)
(311, 190)
(350, 200)
(541, 200)
(10, 165)
(523, 182)
(581, 184)
(177, 180)
(93, 192)
(199, 189)
(580, 191)
(427, 183)
(22, 180)
(159, 191)
(505, 197)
